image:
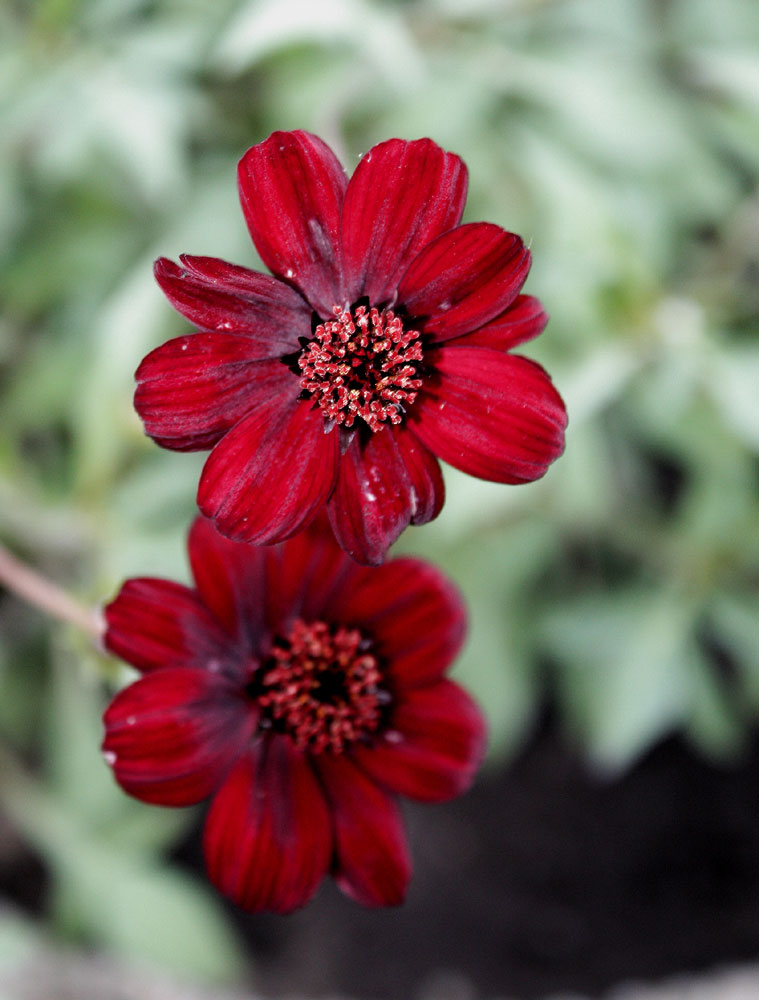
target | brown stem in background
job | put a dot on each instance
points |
(25, 582)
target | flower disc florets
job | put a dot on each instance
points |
(321, 686)
(362, 363)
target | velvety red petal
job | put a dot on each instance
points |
(433, 746)
(414, 615)
(306, 574)
(268, 839)
(522, 321)
(496, 416)
(385, 483)
(291, 189)
(372, 864)
(253, 588)
(157, 623)
(191, 390)
(267, 478)
(401, 196)
(464, 278)
(215, 295)
(172, 735)
(230, 580)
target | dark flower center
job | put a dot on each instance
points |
(362, 363)
(321, 686)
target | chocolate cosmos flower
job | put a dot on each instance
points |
(379, 346)
(302, 691)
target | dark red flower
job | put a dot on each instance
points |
(303, 692)
(380, 345)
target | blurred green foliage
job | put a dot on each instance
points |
(621, 139)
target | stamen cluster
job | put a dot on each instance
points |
(362, 364)
(322, 686)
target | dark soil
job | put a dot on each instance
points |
(543, 879)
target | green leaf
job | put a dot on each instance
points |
(18, 941)
(151, 913)
(108, 894)
(624, 669)
(736, 621)
(734, 384)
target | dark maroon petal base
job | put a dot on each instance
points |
(227, 298)
(157, 623)
(415, 615)
(433, 747)
(230, 581)
(192, 390)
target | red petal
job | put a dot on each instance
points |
(522, 321)
(372, 863)
(272, 472)
(215, 295)
(230, 578)
(465, 278)
(268, 839)
(413, 613)
(157, 623)
(401, 196)
(191, 390)
(305, 574)
(386, 482)
(249, 588)
(172, 735)
(291, 189)
(496, 416)
(434, 745)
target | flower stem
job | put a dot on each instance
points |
(25, 582)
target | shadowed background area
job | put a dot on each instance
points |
(614, 638)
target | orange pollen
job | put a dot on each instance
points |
(321, 686)
(362, 364)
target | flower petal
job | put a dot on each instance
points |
(305, 574)
(230, 579)
(268, 839)
(215, 295)
(372, 863)
(522, 321)
(157, 623)
(172, 735)
(401, 196)
(291, 189)
(191, 390)
(464, 278)
(496, 416)
(267, 478)
(385, 483)
(261, 589)
(414, 615)
(433, 747)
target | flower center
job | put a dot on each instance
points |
(321, 685)
(362, 364)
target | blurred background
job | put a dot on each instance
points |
(614, 834)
